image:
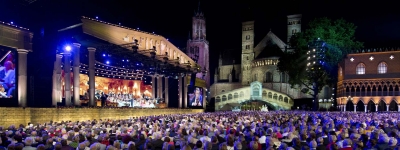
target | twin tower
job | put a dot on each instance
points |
(248, 55)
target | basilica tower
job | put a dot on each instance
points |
(197, 45)
(293, 25)
(247, 51)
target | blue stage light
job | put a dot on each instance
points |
(104, 55)
(108, 62)
(68, 48)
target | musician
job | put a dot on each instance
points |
(197, 100)
(103, 99)
(8, 81)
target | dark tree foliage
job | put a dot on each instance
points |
(339, 38)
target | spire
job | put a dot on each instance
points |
(198, 13)
(198, 7)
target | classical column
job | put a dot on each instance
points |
(344, 108)
(77, 63)
(185, 91)
(22, 77)
(67, 78)
(166, 91)
(92, 61)
(153, 86)
(58, 72)
(57, 80)
(387, 107)
(159, 86)
(204, 98)
(376, 107)
(355, 108)
(398, 108)
(365, 108)
(180, 88)
(54, 85)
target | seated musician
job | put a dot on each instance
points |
(8, 82)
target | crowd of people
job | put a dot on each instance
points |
(245, 130)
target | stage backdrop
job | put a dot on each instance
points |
(107, 85)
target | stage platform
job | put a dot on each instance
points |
(18, 115)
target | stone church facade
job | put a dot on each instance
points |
(258, 66)
(197, 46)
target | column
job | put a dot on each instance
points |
(67, 78)
(344, 108)
(185, 92)
(166, 91)
(376, 107)
(355, 108)
(387, 107)
(77, 63)
(54, 85)
(159, 86)
(92, 61)
(22, 77)
(398, 108)
(180, 88)
(153, 86)
(204, 98)
(57, 80)
(365, 108)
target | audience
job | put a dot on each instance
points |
(247, 130)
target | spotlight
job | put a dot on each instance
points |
(68, 48)
(104, 55)
(108, 62)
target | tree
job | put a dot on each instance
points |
(339, 38)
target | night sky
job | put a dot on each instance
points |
(378, 24)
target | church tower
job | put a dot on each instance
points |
(293, 25)
(247, 51)
(197, 45)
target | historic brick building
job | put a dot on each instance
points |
(257, 77)
(369, 80)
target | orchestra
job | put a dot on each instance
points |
(128, 99)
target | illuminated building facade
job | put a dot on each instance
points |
(369, 80)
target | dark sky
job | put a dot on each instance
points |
(378, 21)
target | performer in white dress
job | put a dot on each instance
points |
(151, 104)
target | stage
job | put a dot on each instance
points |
(17, 116)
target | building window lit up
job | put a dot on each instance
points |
(360, 69)
(382, 68)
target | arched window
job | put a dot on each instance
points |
(268, 77)
(229, 96)
(255, 77)
(382, 68)
(360, 69)
(218, 99)
(340, 71)
(223, 97)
